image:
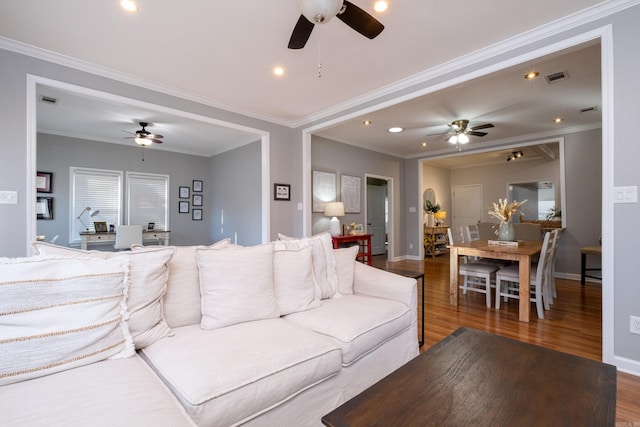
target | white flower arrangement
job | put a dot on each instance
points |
(503, 210)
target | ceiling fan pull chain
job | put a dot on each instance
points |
(319, 56)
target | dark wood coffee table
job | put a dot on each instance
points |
(474, 378)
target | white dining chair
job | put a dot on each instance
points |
(478, 277)
(551, 278)
(508, 278)
(128, 235)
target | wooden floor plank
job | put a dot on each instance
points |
(573, 325)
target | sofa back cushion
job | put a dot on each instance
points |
(293, 279)
(236, 285)
(61, 313)
(148, 284)
(181, 302)
(345, 268)
(324, 266)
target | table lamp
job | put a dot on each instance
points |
(440, 216)
(334, 210)
(92, 213)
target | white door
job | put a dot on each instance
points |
(376, 224)
(467, 203)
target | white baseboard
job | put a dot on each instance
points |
(627, 365)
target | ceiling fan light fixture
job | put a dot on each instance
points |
(143, 141)
(463, 139)
(319, 11)
(453, 139)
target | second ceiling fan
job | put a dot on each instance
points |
(314, 12)
(459, 132)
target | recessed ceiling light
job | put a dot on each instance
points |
(395, 129)
(558, 119)
(424, 144)
(380, 6)
(129, 5)
(278, 71)
(367, 122)
(531, 75)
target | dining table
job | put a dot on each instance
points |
(523, 252)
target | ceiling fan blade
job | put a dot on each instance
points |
(301, 33)
(476, 133)
(154, 136)
(157, 141)
(485, 126)
(360, 20)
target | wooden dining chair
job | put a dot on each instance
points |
(478, 276)
(508, 280)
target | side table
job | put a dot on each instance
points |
(363, 240)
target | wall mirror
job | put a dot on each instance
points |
(430, 195)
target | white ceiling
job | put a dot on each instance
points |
(222, 54)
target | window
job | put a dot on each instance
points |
(148, 199)
(98, 189)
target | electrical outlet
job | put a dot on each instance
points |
(634, 324)
(410, 245)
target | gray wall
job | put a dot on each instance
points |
(332, 156)
(231, 179)
(234, 179)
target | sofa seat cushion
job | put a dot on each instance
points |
(357, 324)
(227, 375)
(122, 392)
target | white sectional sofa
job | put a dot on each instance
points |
(277, 334)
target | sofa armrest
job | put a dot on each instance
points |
(378, 283)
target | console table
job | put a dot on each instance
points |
(435, 240)
(147, 235)
(473, 378)
(363, 240)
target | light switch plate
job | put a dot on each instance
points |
(8, 197)
(412, 209)
(626, 194)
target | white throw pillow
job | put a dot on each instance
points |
(293, 280)
(324, 266)
(346, 268)
(148, 284)
(60, 313)
(181, 302)
(236, 285)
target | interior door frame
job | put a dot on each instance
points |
(391, 222)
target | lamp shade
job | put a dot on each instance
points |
(440, 215)
(334, 209)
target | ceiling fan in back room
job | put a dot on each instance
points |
(143, 137)
(314, 12)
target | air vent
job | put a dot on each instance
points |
(556, 77)
(587, 109)
(49, 100)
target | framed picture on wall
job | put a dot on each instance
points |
(43, 182)
(183, 207)
(350, 193)
(282, 192)
(197, 215)
(197, 200)
(44, 207)
(197, 185)
(184, 192)
(324, 189)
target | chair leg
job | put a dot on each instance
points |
(498, 291)
(487, 282)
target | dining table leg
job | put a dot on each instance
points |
(453, 276)
(525, 298)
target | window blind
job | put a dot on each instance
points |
(148, 199)
(98, 189)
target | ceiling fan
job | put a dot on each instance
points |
(459, 132)
(144, 137)
(315, 12)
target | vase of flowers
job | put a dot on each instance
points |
(430, 208)
(503, 210)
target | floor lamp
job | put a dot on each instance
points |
(92, 213)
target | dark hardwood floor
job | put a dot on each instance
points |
(573, 325)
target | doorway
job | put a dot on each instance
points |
(377, 215)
